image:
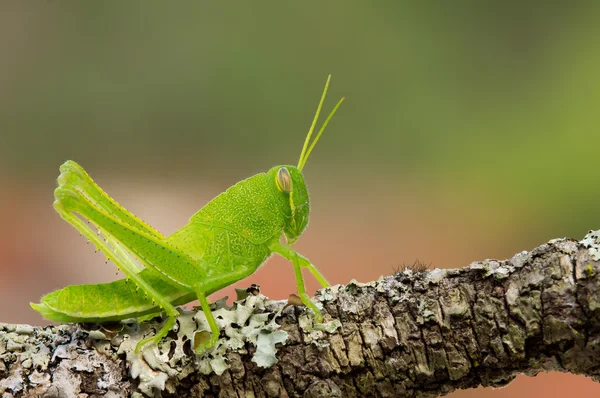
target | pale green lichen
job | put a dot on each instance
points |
(36, 348)
(314, 333)
(497, 269)
(265, 347)
(355, 283)
(429, 311)
(329, 327)
(326, 295)
(592, 242)
(244, 322)
(97, 335)
(436, 276)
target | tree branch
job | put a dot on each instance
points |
(417, 333)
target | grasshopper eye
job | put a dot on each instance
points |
(284, 180)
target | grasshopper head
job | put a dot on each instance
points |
(290, 181)
(290, 185)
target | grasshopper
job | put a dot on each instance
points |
(224, 242)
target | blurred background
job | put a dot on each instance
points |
(469, 131)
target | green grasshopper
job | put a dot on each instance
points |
(224, 242)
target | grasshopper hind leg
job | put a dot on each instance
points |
(68, 204)
(72, 175)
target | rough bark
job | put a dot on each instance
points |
(418, 333)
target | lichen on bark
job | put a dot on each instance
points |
(414, 334)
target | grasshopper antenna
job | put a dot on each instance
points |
(306, 153)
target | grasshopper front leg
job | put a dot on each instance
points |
(299, 262)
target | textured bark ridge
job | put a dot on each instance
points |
(414, 334)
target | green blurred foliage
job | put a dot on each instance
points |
(500, 96)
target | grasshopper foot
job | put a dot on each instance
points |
(143, 342)
(158, 336)
(204, 345)
(152, 339)
(308, 303)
